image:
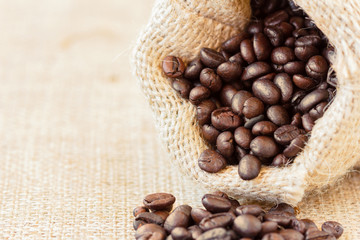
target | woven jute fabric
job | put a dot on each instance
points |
(181, 28)
(78, 143)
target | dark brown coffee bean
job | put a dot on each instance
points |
(268, 227)
(198, 94)
(266, 91)
(255, 27)
(232, 45)
(193, 70)
(243, 137)
(150, 217)
(300, 32)
(297, 97)
(306, 52)
(249, 167)
(291, 234)
(309, 223)
(247, 226)
(226, 95)
(204, 110)
(254, 210)
(255, 70)
(296, 120)
(307, 122)
(162, 214)
(286, 28)
(298, 225)
(286, 133)
(159, 201)
(275, 36)
(180, 233)
(290, 42)
(318, 111)
(225, 144)
(296, 67)
(261, 46)
(270, 6)
(312, 99)
(211, 161)
(215, 234)
(264, 128)
(333, 228)
(139, 210)
(138, 223)
(264, 146)
(211, 58)
(282, 55)
(210, 79)
(276, 18)
(297, 22)
(319, 235)
(317, 67)
(237, 58)
(272, 236)
(269, 77)
(198, 214)
(225, 54)
(280, 217)
(215, 221)
(182, 86)
(238, 100)
(253, 107)
(173, 66)
(295, 146)
(225, 119)
(215, 204)
(180, 217)
(322, 85)
(247, 51)
(280, 161)
(151, 232)
(309, 40)
(249, 123)
(210, 133)
(283, 82)
(229, 71)
(240, 153)
(278, 115)
(195, 231)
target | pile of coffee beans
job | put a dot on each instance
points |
(224, 219)
(258, 97)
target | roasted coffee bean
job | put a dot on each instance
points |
(226, 95)
(180, 217)
(312, 99)
(211, 161)
(291, 234)
(300, 32)
(322, 85)
(238, 100)
(162, 214)
(283, 207)
(193, 70)
(290, 42)
(215, 204)
(215, 234)
(247, 226)
(215, 221)
(276, 18)
(150, 217)
(270, 6)
(306, 52)
(204, 110)
(210, 133)
(280, 161)
(307, 122)
(249, 123)
(296, 120)
(264, 146)
(255, 70)
(298, 225)
(286, 28)
(296, 67)
(278, 115)
(280, 217)
(198, 94)
(229, 71)
(139, 210)
(272, 236)
(266, 91)
(297, 22)
(210, 79)
(283, 82)
(275, 36)
(173, 66)
(309, 40)
(297, 97)
(317, 67)
(253, 107)
(286, 133)
(261, 46)
(182, 86)
(180, 233)
(333, 228)
(268, 227)
(309, 223)
(243, 137)
(249, 167)
(237, 58)
(264, 128)
(254, 210)
(225, 144)
(247, 51)
(295, 146)
(225, 54)
(232, 45)
(198, 214)
(282, 55)
(240, 153)
(255, 27)
(269, 77)
(195, 231)
(138, 223)
(318, 111)
(159, 201)
(220, 194)
(319, 235)
(225, 119)
(150, 231)
(211, 58)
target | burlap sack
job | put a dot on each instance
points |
(183, 27)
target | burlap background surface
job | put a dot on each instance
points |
(78, 147)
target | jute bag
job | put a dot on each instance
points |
(183, 27)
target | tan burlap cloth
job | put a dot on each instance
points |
(78, 146)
